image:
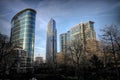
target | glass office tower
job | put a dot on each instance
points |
(23, 32)
(63, 42)
(51, 43)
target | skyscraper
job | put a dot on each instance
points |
(63, 42)
(82, 31)
(51, 43)
(23, 32)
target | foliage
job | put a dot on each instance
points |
(95, 61)
(6, 49)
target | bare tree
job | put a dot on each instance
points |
(77, 55)
(111, 39)
(6, 50)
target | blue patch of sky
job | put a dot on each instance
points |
(66, 13)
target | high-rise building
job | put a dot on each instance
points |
(51, 43)
(89, 31)
(82, 31)
(23, 33)
(63, 42)
(76, 32)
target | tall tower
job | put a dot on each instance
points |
(51, 43)
(23, 33)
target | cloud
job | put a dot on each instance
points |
(5, 27)
(40, 51)
(66, 13)
(39, 48)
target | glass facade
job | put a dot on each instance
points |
(23, 32)
(63, 42)
(82, 31)
(51, 43)
(89, 30)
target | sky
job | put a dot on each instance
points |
(66, 13)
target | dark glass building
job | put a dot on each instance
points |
(23, 32)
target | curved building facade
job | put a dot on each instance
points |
(23, 32)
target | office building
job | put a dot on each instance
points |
(81, 31)
(38, 61)
(63, 42)
(18, 56)
(23, 33)
(51, 43)
(90, 33)
(84, 31)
